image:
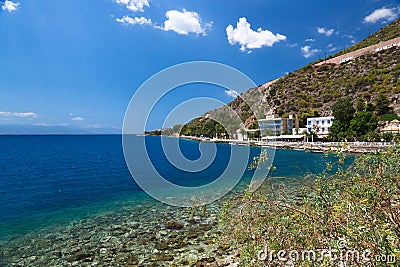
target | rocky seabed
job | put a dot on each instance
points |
(151, 235)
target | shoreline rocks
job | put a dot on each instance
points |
(161, 236)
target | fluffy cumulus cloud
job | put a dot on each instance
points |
(77, 119)
(231, 93)
(382, 14)
(184, 22)
(133, 21)
(250, 39)
(10, 6)
(307, 51)
(326, 32)
(134, 5)
(18, 114)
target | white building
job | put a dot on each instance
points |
(298, 131)
(241, 135)
(272, 125)
(391, 127)
(319, 125)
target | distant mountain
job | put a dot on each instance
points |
(314, 88)
(19, 129)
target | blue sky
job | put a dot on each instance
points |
(78, 63)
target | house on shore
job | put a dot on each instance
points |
(273, 125)
(391, 127)
(320, 125)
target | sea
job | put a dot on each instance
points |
(70, 200)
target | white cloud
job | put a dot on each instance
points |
(184, 22)
(351, 37)
(331, 48)
(10, 6)
(384, 14)
(348, 36)
(250, 39)
(326, 32)
(94, 126)
(310, 40)
(77, 119)
(292, 45)
(18, 114)
(48, 125)
(134, 5)
(307, 51)
(231, 93)
(134, 21)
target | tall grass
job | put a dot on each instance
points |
(350, 217)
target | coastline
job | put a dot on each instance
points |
(315, 147)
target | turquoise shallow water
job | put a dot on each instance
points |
(52, 181)
(45, 178)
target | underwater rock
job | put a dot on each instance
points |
(80, 256)
(161, 246)
(224, 246)
(173, 225)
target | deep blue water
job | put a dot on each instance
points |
(47, 180)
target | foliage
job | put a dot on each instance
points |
(204, 127)
(305, 114)
(350, 210)
(389, 117)
(360, 104)
(373, 137)
(253, 135)
(363, 123)
(388, 137)
(343, 110)
(254, 125)
(339, 131)
(382, 104)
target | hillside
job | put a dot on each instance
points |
(391, 31)
(319, 87)
(315, 88)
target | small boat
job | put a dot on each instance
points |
(316, 151)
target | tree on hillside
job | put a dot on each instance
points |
(177, 128)
(339, 131)
(369, 107)
(360, 104)
(389, 117)
(343, 110)
(305, 114)
(382, 104)
(363, 123)
(253, 125)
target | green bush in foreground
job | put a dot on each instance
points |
(349, 218)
